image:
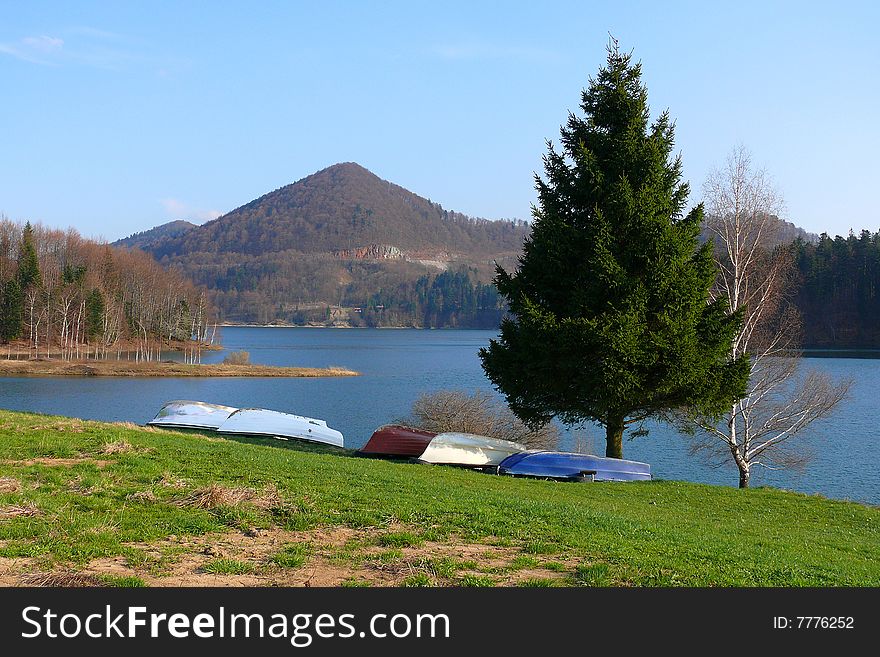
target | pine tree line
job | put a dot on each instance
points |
(839, 290)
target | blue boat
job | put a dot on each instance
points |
(573, 467)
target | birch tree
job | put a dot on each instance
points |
(756, 277)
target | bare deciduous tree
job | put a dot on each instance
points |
(757, 276)
(481, 414)
(141, 305)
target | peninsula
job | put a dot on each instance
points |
(47, 367)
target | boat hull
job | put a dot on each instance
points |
(398, 440)
(572, 466)
(262, 422)
(468, 450)
(185, 414)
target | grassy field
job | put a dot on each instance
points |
(111, 504)
(58, 367)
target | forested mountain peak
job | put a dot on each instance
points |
(151, 237)
(344, 246)
(343, 208)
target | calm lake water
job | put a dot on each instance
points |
(398, 365)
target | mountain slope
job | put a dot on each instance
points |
(343, 207)
(150, 239)
(344, 238)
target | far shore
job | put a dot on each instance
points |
(58, 367)
(349, 326)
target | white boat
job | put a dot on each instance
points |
(468, 449)
(262, 422)
(184, 414)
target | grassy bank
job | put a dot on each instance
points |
(88, 502)
(156, 368)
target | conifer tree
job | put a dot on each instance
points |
(610, 318)
(95, 307)
(28, 263)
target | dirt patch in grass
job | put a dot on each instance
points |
(215, 496)
(142, 496)
(57, 462)
(118, 447)
(448, 564)
(60, 578)
(11, 570)
(19, 510)
(9, 485)
(187, 560)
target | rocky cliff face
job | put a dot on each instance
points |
(371, 252)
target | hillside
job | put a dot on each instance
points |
(343, 246)
(95, 503)
(153, 238)
(780, 232)
(345, 207)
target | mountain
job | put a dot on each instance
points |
(345, 207)
(343, 246)
(779, 230)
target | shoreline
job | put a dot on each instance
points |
(114, 368)
(21, 351)
(378, 328)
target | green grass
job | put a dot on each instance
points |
(293, 555)
(538, 582)
(352, 583)
(227, 567)
(524, 561)
(400, 539)
(660, 533)
(419, 579)
(122, 581)
(591, 575)
(476, 581)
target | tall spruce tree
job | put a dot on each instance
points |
(28, 263)
(610, 318)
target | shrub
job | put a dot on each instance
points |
(479, 413)
(237, 358)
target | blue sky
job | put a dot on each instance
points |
(115, 117)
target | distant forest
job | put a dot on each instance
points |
(61, 294)
(296, 290)
(838, 292)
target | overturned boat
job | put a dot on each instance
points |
(185, 414)
(262, 422)
(468, 449)
(573, 467)
(397, 440)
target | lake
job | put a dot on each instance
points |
(398, 365)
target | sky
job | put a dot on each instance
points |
(116, 117)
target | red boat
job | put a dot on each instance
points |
(397, 440)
